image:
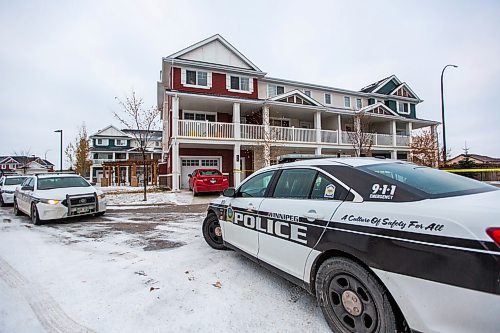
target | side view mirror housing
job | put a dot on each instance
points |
(229, 192)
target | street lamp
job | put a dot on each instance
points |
(442, 112)
(60, 131)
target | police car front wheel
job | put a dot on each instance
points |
(212, 232)
(351, 299)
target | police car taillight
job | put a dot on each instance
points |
(494, 233)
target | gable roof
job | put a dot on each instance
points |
(295, 92)
(482, 158)
(100, 133)
(190, 50)
(405, 86)
(371, 87)
(7, 159)
(381, 107)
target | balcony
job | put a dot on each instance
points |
(249, 132)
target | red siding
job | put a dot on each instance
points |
(218, 86)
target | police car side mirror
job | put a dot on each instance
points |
(229, 192)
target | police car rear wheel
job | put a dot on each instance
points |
(212, 232)
(351, 299)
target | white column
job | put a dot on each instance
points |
(394, 154)
(339, 132)
(114, 156)
(317, 126)
(438, 153)
(267, 135)
(317, 151)
(393, 133)
(176, 172)
(126, 175)
(91, 174)
(236, 164)
(409, 129)
(236, 121)
(175, 116)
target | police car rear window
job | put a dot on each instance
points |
(433, 182)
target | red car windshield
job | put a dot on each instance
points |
(209, 173)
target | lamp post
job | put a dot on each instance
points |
(60, 156)
(442, 112)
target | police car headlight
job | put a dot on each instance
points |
(50, 201)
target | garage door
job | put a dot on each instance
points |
(189, 164)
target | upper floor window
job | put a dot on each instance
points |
(196, 78)
(359, 103)
(101, 142)
(347, 101)
(307, 93)
(239, 83)
(403, 108)
(328, 99)
(121, 142)
(274, 90)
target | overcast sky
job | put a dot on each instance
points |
(63, 62)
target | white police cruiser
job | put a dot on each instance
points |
(56, 196)
(8, 186)
(386, 246)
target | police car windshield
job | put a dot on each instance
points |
(434, 182)
(61, 182)
(14, 180)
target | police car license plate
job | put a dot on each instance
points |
(82, 210)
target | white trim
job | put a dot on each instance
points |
(184, 78)
(250, 84)
(376, 105)
(402, 111)
(387, 81)
(222, 41)
(104, 142)
(122, 145)
(404, 85)
(296, 92)
(276, 86)
(108, 127)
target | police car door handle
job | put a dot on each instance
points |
(312, 215)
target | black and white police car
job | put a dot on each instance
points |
(56, 196)
(386, 246)
(8, 186)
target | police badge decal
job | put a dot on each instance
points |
(230, 214)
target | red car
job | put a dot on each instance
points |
(207, 180)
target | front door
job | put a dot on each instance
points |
(243, 214)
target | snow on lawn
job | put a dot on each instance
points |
(157, 198)
(103, 275)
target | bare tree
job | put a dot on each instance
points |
(25, 154)
(142, 121)
(82, 153)
(424, 149)
(69, 151)
(362, 137)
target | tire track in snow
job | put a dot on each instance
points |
(46, 309)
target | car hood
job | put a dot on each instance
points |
(60, 193)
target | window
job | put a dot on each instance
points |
(256, 186)
(211, 163)
(197, 78)
(403, 108)
(102, 142)
(240, 83)
(200, 116)
(99, 141)
(14, 181)
(281, 122)
(326, 189)
(121, 142)
(307, 93)
(347, 101)
(61, 182)
(359, 103)
(328, 99)
(295, 183)
(209, 173)
(274, 90)
(190, 162)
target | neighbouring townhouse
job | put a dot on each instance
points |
(220, 110)
(24, 165)
(117, 159)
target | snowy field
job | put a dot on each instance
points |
(139, 270)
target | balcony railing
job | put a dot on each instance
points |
(205, 129)
(250, 132)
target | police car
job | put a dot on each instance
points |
(8, 186)
(56, 196)
(386, 246)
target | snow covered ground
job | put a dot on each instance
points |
(157, 198)
(140, 270)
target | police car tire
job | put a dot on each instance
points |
(368, 290)
(2, 203)
(209, 224)
(35, 218)
(17, 212)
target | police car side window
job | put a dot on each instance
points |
(295, 183)
(326, 189)
(256, 186)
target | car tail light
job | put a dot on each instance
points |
(224, 179)
(494, 233)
